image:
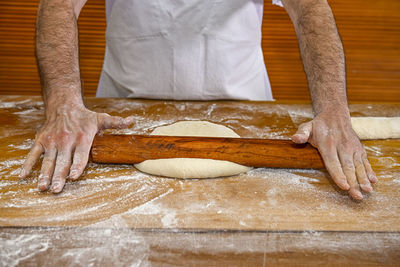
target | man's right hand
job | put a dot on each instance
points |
(65, 140)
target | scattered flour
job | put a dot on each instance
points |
(27, 144)
(110, 227)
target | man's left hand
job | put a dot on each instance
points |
(341, 150)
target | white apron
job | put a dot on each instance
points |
(184, 50)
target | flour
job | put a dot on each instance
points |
(8, 102)
(11, 163)
(300, 115)
(151, 207)
(22, 248)
(10, 167)
(12, 104)
(210, 110)
(286, 177)
(27, 144)
(169, 220)
(141, 248)
(150, 217)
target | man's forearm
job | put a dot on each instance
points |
(57, 53)
(322, 54)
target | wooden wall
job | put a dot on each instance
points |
(370, 30)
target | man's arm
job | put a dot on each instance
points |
(324, 63)
(57, 51)
(67, 134)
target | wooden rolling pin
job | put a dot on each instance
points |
(132, 149)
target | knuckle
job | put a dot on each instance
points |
(81, 137)
(358, 161)
(330, 141)
(347, 163)
(347, 145)
(50, 140)
(90, 131)
(37, 145)
(360, 155)
(64, 137)
(348, 167)
(364, 157)
(103, 117)
(85, 138)
(39, 138)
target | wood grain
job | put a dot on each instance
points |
(115, 215)
(252, 152)
(180, 247)
(370, 31)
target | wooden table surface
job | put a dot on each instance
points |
(117, 215)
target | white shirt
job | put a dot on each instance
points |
(184, 49)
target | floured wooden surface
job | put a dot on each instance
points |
(137, 247)
(117, 197)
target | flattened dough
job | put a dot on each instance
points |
(376, 127)
(188, 167)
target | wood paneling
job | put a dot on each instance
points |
(370, 31)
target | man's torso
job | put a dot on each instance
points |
(184, 49)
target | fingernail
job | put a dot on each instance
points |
(366, 187)
(373, 179)
(56, 186)
(358, 195)
(345, 185)
(42, 185)
(73, 174)
(21, 173)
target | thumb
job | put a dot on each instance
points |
(303, 133)
(113, 122)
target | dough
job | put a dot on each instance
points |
(376, 127)
(189, 167)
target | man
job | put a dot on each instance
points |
(192, 49)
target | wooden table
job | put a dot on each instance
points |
(266, 217)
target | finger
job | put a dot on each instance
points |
(31, 159)
(347, 163)
(303, 133)
(46, 172)
(80, 160)
(63, 164)
(361, 174)
(332, 164)
(368, 169)
(113, 122)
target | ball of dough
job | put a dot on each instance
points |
(189, 167)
